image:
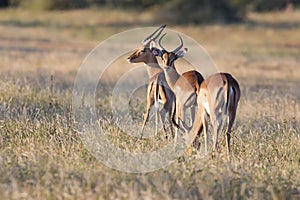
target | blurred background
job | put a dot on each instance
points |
(171, 11)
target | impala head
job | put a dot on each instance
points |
(168, 57)
(144, 52)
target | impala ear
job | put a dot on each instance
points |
(156, 51)
(181, 53)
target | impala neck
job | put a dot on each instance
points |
(153, 67)
(171, 76)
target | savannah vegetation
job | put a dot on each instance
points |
(42, 156)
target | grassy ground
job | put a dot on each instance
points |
(42, 155)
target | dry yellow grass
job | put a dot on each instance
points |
(42, 156)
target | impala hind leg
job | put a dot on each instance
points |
(204, 119)
(193, 112)
(216, 120)
(196, 128)
(233, 103)
(231, 118)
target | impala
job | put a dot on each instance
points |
(185, 86)
(157, 92)
(218, 100)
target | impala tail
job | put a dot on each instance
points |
(232, 95)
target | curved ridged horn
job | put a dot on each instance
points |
(159, 42)
(148, 39)
(180, 46)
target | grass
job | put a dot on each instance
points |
(42, 155)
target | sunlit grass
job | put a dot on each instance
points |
(42, 155)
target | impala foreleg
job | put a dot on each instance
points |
(177, 111)
(150, 102)
(179, 115)
(146, 116)
(166, 107)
